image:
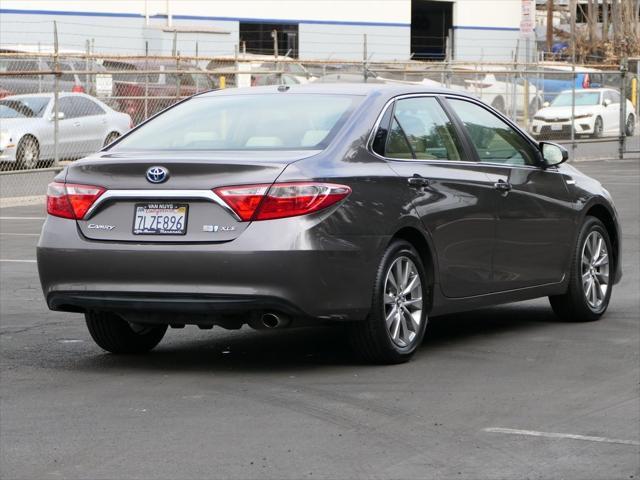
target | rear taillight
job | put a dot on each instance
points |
(70, 200)
(77, 89)
(280, 200)
(586, 81)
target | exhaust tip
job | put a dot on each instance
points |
(271, 320)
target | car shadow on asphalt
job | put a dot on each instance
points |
(309, 348)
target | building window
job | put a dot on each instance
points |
(430, 25)
(259, 38)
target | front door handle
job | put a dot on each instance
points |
(76, 124)
(502, 186)
(418, 181)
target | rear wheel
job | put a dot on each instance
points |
(630, 126)
(590, 284)
(396, 324)
(115, 335)
(111, 138)
(498, 104)
(28, 153)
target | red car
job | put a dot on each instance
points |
(141, 95)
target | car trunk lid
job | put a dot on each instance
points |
(183, 208)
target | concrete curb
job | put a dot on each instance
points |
(22, 201)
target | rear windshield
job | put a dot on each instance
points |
(278, 121)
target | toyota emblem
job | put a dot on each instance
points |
(157, 174)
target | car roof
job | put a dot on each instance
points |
(362, 89)
(568, 68)
(587, 90)
(49, 95)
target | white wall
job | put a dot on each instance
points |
(483, 29)
(379, 11)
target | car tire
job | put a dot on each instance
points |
(498, 104)
(377, 340)
(115, 335)
(630, 126)
(534, 106)
(592, 269)
(598, 128)
(28, 152)
(111, 138)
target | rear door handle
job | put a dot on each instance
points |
(502, 186)
(76, 124)
(418, 181)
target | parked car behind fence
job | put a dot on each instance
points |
(27, 124)
(142, 88)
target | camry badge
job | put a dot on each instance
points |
(157, 174)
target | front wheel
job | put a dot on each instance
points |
(598, 128)
(396, 324)
(589, 289)
(116, 335)
(498, 104)
(630, 126)
(28, 153)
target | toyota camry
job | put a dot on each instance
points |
(373, 206)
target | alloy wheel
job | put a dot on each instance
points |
(595, 270)
(598, 128)
(403, 301)
(29, 155)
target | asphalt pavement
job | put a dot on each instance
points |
(504, 392)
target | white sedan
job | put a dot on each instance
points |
(85, 125)
(596, 113)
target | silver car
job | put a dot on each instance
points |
(85, 125)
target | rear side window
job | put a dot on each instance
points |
(494, 140)
(273, 121)
(398, 144)
(74, 107)
(428, 129)
(420, 129)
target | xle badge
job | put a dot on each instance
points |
(218, 228)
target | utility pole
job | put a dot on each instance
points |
(549, 25)
(605, 20)
(572, 13)
(56, 91)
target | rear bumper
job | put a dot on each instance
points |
(290, 265)
(203, 304)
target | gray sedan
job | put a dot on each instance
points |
(375, 206)
(85, 125)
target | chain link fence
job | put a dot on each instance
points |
(58, 108)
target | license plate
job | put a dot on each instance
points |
(160, 219)
(556, 127)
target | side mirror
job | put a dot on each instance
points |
(60, 116)
(553, 154)
(546, 104)
(606, 102)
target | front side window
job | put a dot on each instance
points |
(74, 107)
(273, 121)
(612, 96)
(494, 140)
